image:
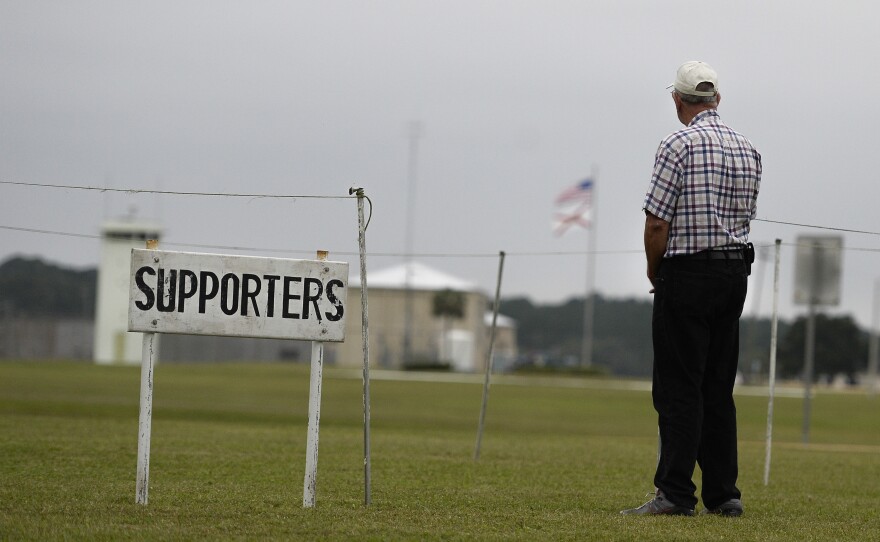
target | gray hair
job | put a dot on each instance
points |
(704, 86)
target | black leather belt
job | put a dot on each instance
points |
(716, 254)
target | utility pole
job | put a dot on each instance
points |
(874, 344)
(415, 133)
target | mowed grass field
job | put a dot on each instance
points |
(557, 462)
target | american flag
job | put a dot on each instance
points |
(573, 207)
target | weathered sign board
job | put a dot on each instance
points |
(238, 296)
(818, 264)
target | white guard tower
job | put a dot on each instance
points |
(113, 343)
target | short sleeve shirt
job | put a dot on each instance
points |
(705, 184)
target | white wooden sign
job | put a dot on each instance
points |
(239, 296)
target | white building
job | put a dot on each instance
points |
(407, 330)
(114, 344)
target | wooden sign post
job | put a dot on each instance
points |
(238, 296)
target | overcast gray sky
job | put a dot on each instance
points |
(517, 100)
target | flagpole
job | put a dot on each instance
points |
(589, 298)
(579, 208)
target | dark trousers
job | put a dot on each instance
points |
(695, 324)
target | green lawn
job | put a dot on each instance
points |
(558, 463)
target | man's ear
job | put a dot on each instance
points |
(678, 103)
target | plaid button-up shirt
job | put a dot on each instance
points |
(705, 184)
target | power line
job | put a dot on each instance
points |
(388, 254)
(814, 226)
(294, 196)
(172, 192)
(342, 253)
(351, 196)
(49, 232)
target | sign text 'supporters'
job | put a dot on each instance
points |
(210, 294)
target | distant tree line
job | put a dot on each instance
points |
(552, 333)
(547, 333)
(841, 347)
(33, 288)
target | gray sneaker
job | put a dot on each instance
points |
(659, 505)
(731, 508)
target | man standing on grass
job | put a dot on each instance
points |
(698, 208)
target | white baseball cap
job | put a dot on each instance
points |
(690, 74)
